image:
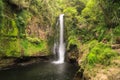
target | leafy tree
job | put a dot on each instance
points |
(111, 10)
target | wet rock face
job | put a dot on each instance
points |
(79, 75)
(36, 29)
(72, 54)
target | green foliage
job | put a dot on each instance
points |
(84, 1)
(21, 3)
(111, 12)
(92, 12)
(35, 5)
(70, 11)
(47, 11)
(92, 59)
(9, 27)
(99, 53)
(33, 40)
(14, 30)
(9, 47)
(1, 14)
(116, 31)
(32, 49)
(1, 8)
(73, 40)
(22, 20)
(85, 20)
(12, 49)
(96, 18)
(16, 19)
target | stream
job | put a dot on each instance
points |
(40, 71)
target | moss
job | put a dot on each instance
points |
(13, 49)
(22, 20)
(33, 40)
(33, 49)
(12, 26)
(13, 30)
(9, 47)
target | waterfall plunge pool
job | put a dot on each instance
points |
(40, 71)
(56, 70)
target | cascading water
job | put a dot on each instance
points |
(61, 45)
(61, 49)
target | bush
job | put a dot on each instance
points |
(99, 53)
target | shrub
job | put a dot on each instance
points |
(99, 53)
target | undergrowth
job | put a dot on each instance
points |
(99, 53)
(33, 47)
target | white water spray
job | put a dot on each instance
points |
(61, 49)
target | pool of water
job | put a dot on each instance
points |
(40, 71)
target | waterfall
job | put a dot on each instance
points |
(61, 47)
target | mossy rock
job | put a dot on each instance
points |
(9, 47)
(30, 48)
